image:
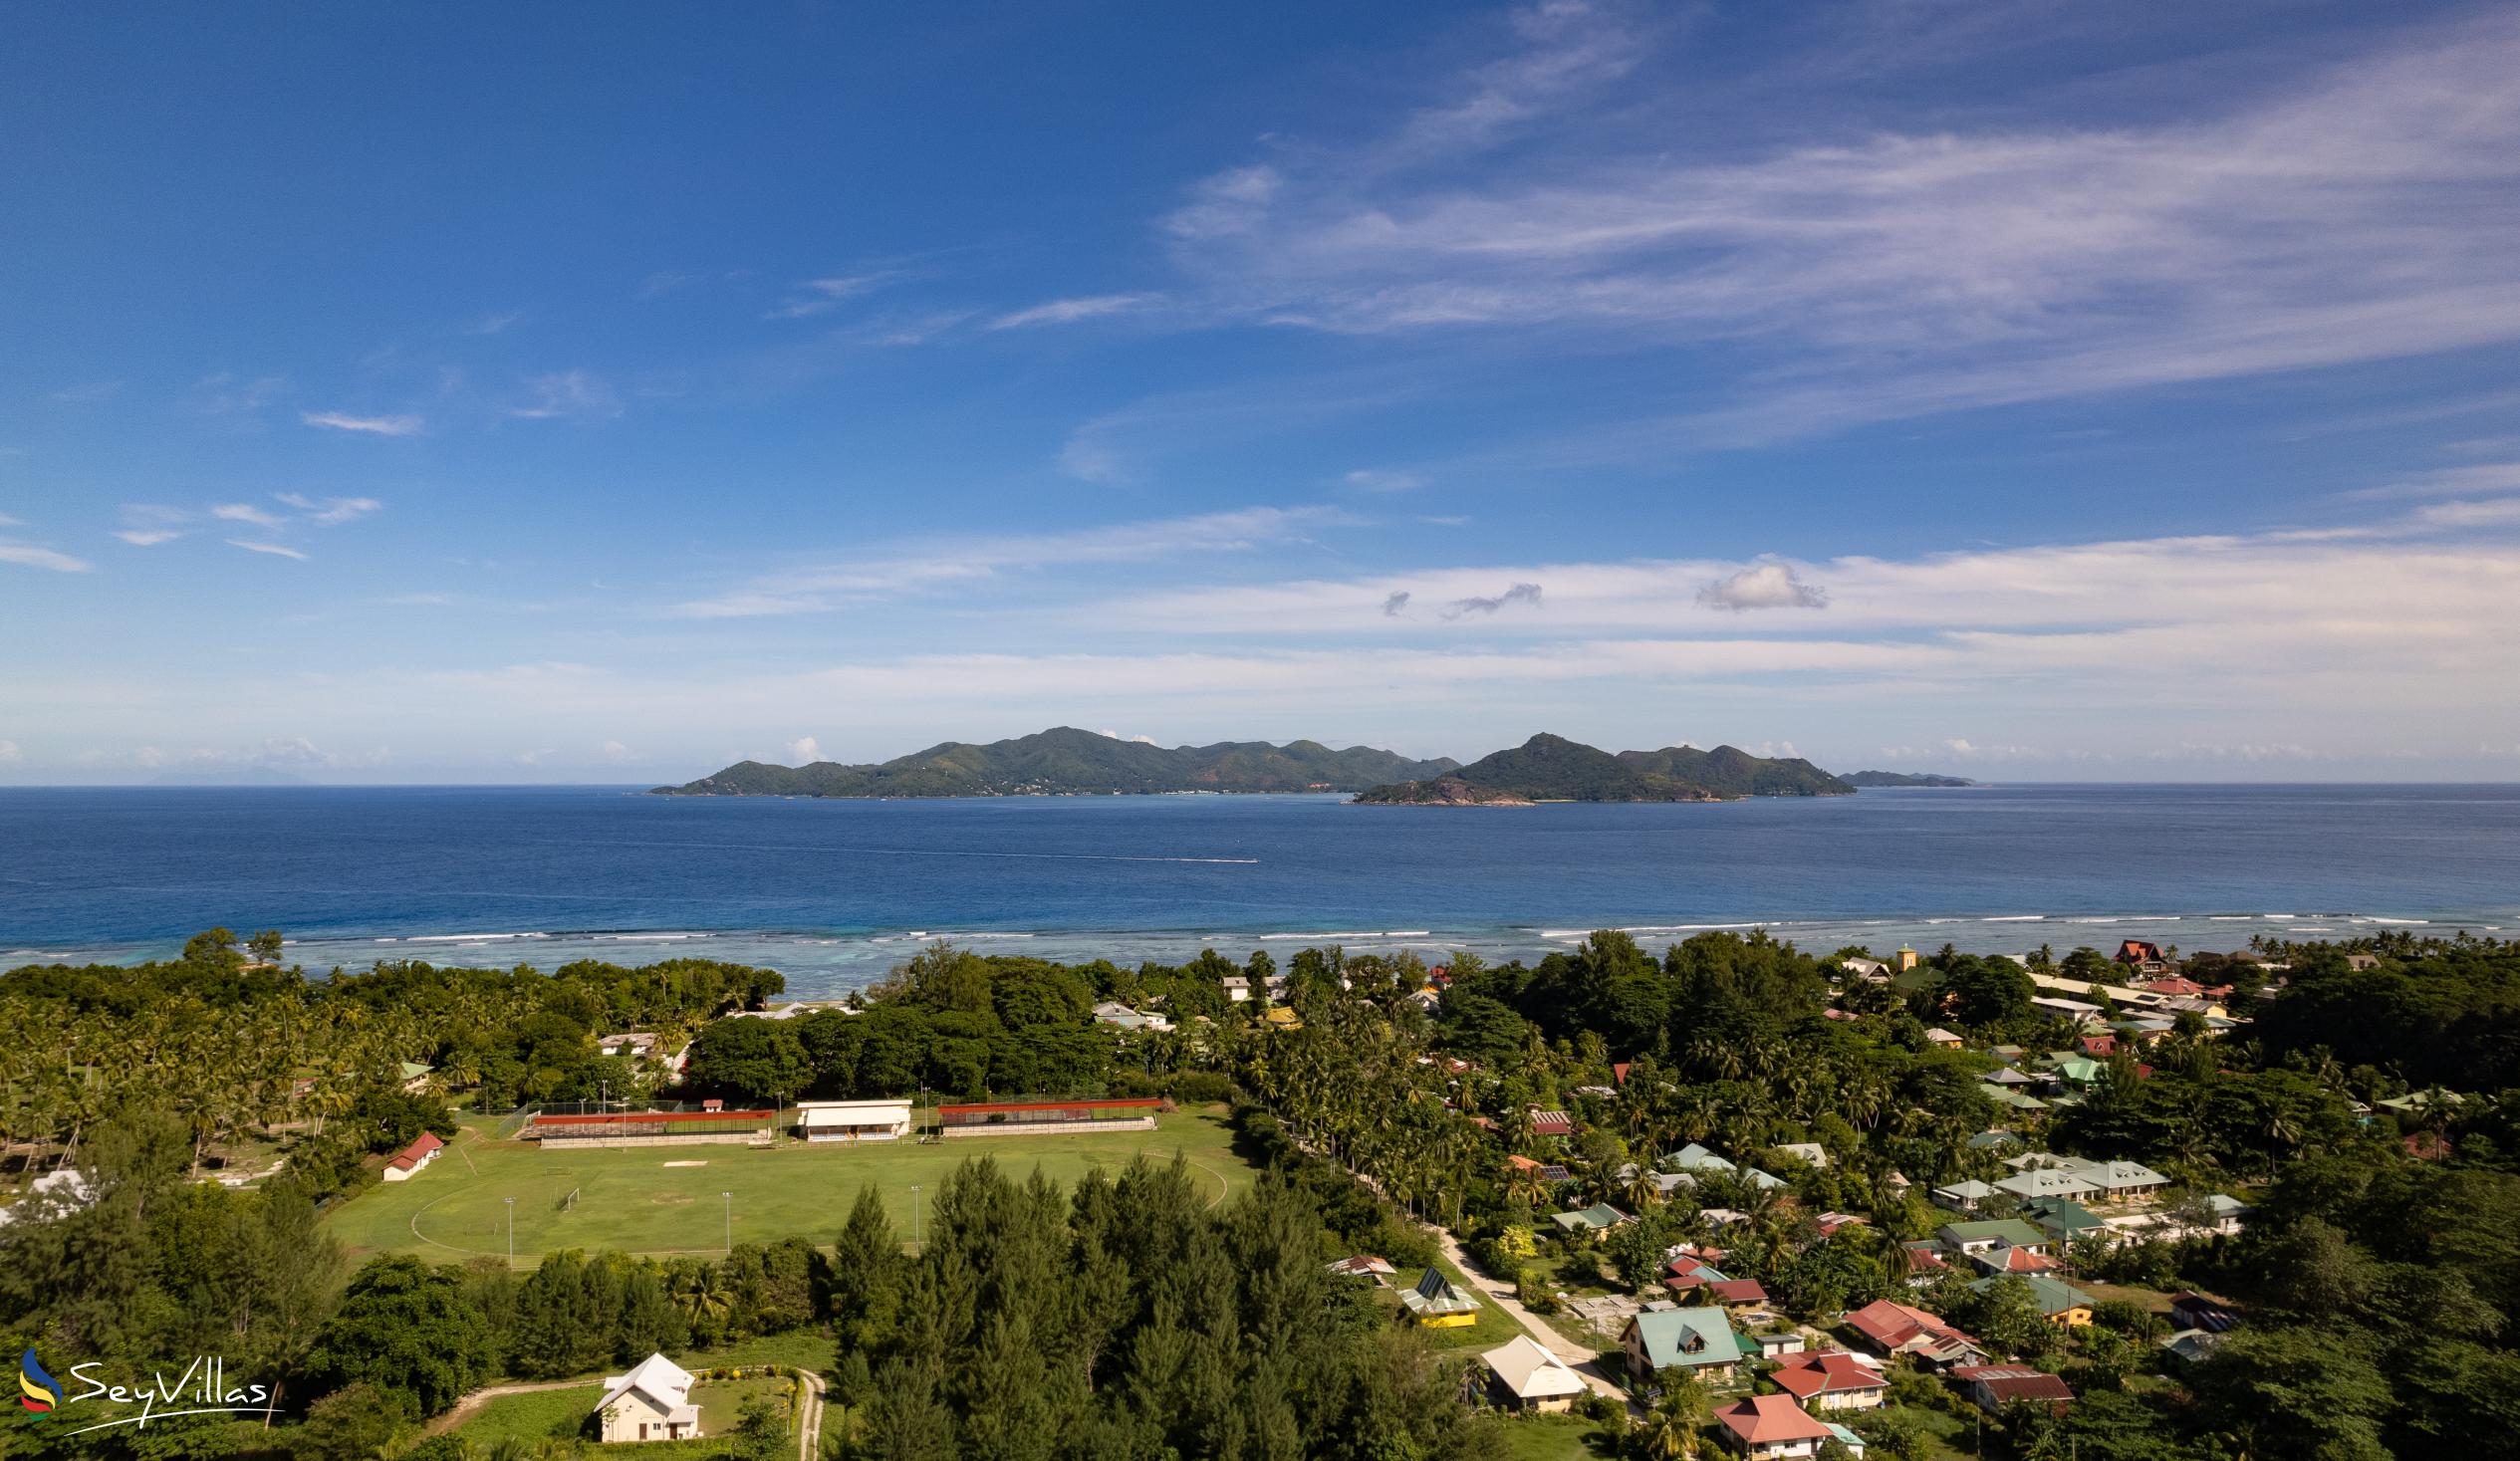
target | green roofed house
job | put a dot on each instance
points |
(1963, 1195)
(1599, 1218)
(1699, 1340)
(2119, 1180)
(2074, 1070)
(2061, 1302)
(1437, 1303)
(415, 1077)
(1696, 1159)
(2063, 1218)
(2034, 1182)
(1977, 1237)
(2020, 1100)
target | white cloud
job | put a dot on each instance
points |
(615, 752)
(92, 392)
(820, 296)
(7, 521)
(402, 425)
(10, 755)
(227, 394)
(329, 511)
(1370, 479)
(2360, 213)
(1068, 311)
(567, 395)
(1765, 584)
(28, 555)
(244, 512)
(925, 568)
(146, 537)
(276, 550)
(804, 751)
(493, 324)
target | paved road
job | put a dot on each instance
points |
(1579, 1356)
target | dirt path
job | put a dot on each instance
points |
(809, 1419)
(471, 1405)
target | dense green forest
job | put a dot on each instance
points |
(1074, 762)
(2361, 1112)
(1550, 768)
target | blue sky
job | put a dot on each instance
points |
(605, 393)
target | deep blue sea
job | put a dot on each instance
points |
(833, 892)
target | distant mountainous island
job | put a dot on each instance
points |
(1550, 768)
(1071, 762)
(1905, 779)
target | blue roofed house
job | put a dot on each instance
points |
(1699, 1339)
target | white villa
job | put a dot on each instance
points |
(651, 1403)
(853, 1121)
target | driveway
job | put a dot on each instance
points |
(1559, 1345)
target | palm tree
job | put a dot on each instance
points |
(1671, 1428)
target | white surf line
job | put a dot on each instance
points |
(926, 852)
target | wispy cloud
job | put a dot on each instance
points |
(928, 568)
(1491, 603)
(1370, 479)
(91, 392)
(29, 554)
(231, 396)
(329, 512)
(2361, 213)
(1069, 311)
(397, 425)
(277, 549)
(244, 512)
(571, 396)
(496, 324)
(821, 296)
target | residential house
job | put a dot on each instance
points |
(1779, 1340)
(1889, 1327)
(1996, 1138)
(2191, 1347)
(1696, 1159)
(2225, 1214)
(1122, 1017)
(415, 1078)
(2097, 1047)
(1977, 1237)
(1847, 1438)
(1601, 1217)
(2120, 1181)
(1364, 1265)
(2136, 953)
(2061, 1303)
(1699, 1340)
(1991, 1387)
(1237, 988)
(651, 1403)
(1963, 1196)
(1435, 1303)
(1871, 971)
(2006, 1077)
(634, 1044)
(1811, 1152)
(413, 1159)
(2038, 1182)
(2063, 1219)
(1525, 1375)
(1552, 1123)
(2003, 1258)
(1832, 1379)
(2193, 1311)
(1942, 1039)
(1769, 1426)
(1924, 1260)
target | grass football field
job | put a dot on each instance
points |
(667, 1199)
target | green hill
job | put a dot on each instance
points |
(1550, 768)
(1905, 779)
(1071, 762)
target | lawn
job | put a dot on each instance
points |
(1556, 1438)
(1493, 1327)
(659, 1200)
(533, 1415)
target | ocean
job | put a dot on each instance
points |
(835, 892)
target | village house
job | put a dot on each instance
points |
(630, 1045)
(1363, 1266)
(651, 1403)
(2120, 1182)
(1967, 1239)
(1832, 1379)
(1889, 1327)
(1942, 1039)
(1526, 1376)
(1435, 1303)
(1991, 1387)
(2061, 1303)
(2033, 1183)
(1765, 1426)
(413, 1159)
(1601, 1217)
(1701, 1341)
(853, 1121)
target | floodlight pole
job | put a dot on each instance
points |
(511, 1232)
(730, 1222)
(915, 1243)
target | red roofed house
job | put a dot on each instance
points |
(2099, 1047)
(1766, 1426)
(409, 1161)
(1993, 1386)
(1888, 1327)
(1619, 1074)
(1551, 1123)
(2175, 985)
(2141, 954)
(1831, 1379)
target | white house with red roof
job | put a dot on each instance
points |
(408, 1163)
(1769, 1426)
(1832, 1379)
